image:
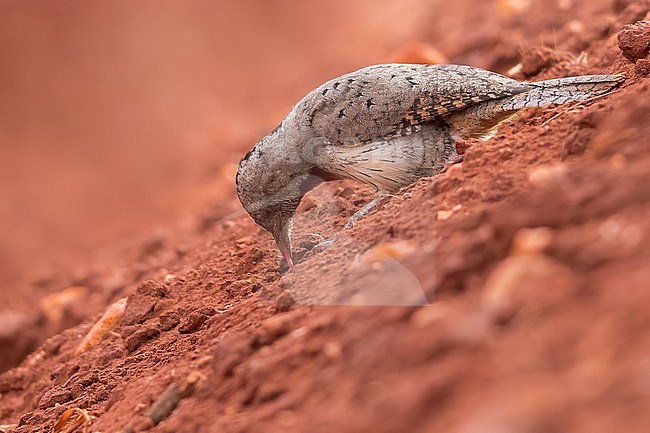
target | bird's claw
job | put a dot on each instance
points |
(370, 207)
(457, 160)
(354, 218)
(322, 246)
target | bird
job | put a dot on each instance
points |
(387, 126)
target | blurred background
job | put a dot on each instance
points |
(119, 116)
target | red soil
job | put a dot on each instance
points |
(533, 254)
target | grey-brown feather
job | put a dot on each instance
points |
(383, 100)
(387, 126)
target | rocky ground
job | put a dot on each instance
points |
(533, 254)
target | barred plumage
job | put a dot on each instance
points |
(387, 126)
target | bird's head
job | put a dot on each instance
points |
(271, 180)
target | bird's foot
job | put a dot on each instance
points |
(370, 207)
(457, 160)
(321, 246)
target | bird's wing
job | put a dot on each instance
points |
(392, 100)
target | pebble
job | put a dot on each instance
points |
(642, 67)
(58, 394)
(208, 311)
(531, 240)
(169, 320)
(272, 329)
(444, 215)
(138, 309)
(192, 323)
(151, 288)
(139, 337)
(634, 40)
(284, 302)
(532, 280)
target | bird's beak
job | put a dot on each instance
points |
(284, 243)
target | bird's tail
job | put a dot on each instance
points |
(479, 120)
(563, 90)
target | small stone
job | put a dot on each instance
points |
(169, 320)
(642, 67)
(129, 330)
(58, 394)
(151, 288)
(526, 402)
(533, 281)
(444, 215)
(192, 323)
(634, 40)
(541, 176)
(272, 329)
(531, 240)
(515, 72)
(138, 309)
(140, 337)
(284, 302)
(208, 311)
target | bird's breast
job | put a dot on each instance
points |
(391, 163)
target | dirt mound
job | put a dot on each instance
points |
(532, 253)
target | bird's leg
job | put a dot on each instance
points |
(322, 246)
(370, 207)
(457, 160)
